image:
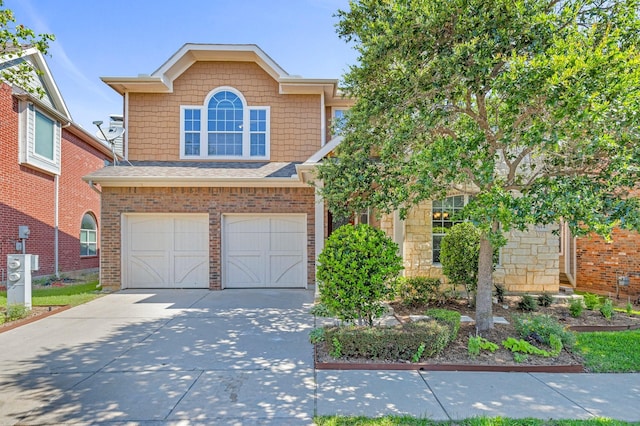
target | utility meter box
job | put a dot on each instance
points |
(19, 279)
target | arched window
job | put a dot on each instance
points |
(88, 236)
(224, 127)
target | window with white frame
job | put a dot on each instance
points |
(88, 236)
(225, 127)
(337, 120)
(40, 139)
(442, 214)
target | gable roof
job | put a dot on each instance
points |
(161, 80)
(52, 101)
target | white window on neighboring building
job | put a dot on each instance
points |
(224, 127)
(88, 236)
(337, 117)
(40, 139)
(442, 214)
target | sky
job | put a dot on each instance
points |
(119, 38)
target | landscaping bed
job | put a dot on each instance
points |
(456, 355)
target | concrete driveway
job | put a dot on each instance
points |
(164, 357)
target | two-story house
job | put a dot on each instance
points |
(43, 156)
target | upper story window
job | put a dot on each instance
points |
(40, 139)
(337, 120)
(224, 127)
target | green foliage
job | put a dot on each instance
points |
(529, 125)
(317, 335)
(399, 342)
(416, 357)
(527, 303)
(459, 252)
(500, 292)
(320, 310)
(478, 343)
(606, 309)
(629, 308)
(522, 346)
(357, 272)
(16, 312)
(336, 348)
(543, 326)
(450, 318)
(555, 342)
(591, 301)
(545, 299)
(575, 307)
(419, 291)
(14, 40)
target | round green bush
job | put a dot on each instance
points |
(356, 273)
(459, 252)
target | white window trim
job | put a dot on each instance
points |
(246, 129)
(333, 116)
(26, 136)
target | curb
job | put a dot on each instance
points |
(573, 368)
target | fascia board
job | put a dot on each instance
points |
(162, 181)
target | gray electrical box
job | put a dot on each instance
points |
(23, 232)
(19, 279)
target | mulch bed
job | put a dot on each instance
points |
(36, 313)
(456, 358)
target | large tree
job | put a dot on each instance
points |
(14, 40)
(531, 106)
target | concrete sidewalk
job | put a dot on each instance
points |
(242, 357)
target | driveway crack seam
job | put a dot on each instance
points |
(563, 395)
(426, 382)
(184, 395)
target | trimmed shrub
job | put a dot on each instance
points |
(543, 326)
(527, 303)
(459, 251)
(357, 272)
(400, 342)
(575, 308)
(591, 301)
(606, 309)
(418, 291)
(450, 318)
(545, 299)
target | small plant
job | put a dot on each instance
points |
(545, 300)
(450, 318)
(16, 312)
(522, 346)
(417, 291)
(575, 308)
(629, 308)
(500, 292)
(591, 301)
(478, 343)
(606, 309)
(527, 303)
(556, 344)
(317, 335)
(520, 357)
(320, 310)
(419, 352)
(336, 348)
(543, 326)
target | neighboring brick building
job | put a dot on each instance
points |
(43, 156)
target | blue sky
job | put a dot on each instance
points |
(126, 38)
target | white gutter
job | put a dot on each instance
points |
(176, 182)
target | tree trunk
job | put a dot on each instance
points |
(484, 303)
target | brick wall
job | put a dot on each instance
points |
(600, 262)
(214, 201)
(154, 119)
(27, 197)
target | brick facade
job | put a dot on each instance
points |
(213, 201)
(601, 262)
(27, 197)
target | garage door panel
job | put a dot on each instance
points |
(264, 251)
(245, 271)
(149, 268)
(191, 269)
(165, 250)
(285, 269)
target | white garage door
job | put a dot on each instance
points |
(165, 251)
(264, 251)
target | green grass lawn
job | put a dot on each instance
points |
(477, 421)
(610, 352)
(68, 295)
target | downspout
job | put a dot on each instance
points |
(323, 121)
(56, 212)
(125, 124)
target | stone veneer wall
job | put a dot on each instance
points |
(529, 261)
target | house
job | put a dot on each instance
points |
(43, 156)
(221, 145)
(211, 195)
